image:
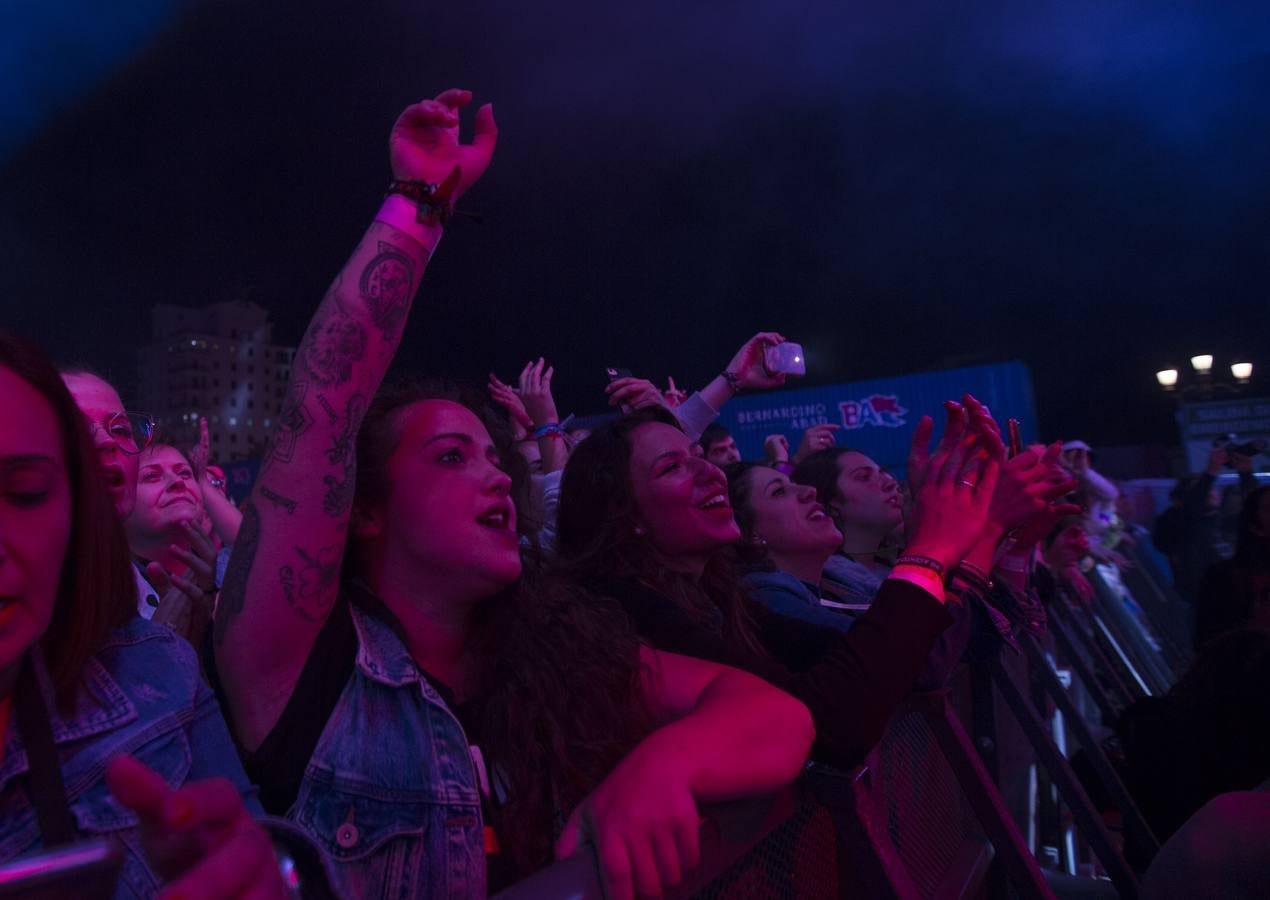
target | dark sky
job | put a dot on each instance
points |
(900, 186)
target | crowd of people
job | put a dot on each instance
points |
(449, 638)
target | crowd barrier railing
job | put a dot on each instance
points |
(1168, 613)
(1083, 810)
(1135, 824)
(920, 820)
(1140, 647)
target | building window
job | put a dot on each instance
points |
(233, 421)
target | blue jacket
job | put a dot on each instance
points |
(142, 696)
(391, 793)
(785, 595)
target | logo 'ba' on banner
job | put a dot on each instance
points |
(877, 417)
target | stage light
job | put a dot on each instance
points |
(1203, 364)
(1167, 378)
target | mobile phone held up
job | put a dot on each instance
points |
(785, 359)
(615, 374)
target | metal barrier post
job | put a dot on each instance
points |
(1135, 823)
(1122, 876)
(1007, 840)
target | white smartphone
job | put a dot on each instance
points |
(785, 359)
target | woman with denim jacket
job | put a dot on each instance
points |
(106, 729)
(360, 706)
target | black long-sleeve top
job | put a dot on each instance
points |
(851, 682)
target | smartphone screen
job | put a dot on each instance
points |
(785, 359)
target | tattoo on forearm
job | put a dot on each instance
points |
(343, 453)
(331, 347)
(328, 408)
(311, 588)
(233, 592)
(294, 421)
(387, 285)
(278, 500)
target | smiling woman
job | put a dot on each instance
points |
(645, 521)
(168, 495)
(86, 680)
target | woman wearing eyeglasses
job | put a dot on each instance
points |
(120, 437)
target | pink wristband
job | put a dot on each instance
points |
(402, 213)
(924, 578)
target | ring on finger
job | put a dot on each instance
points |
(969, 484)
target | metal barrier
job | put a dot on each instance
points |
(1051, 757)
(921, 819)
(1141, 647)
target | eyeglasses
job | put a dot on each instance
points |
(131, 432)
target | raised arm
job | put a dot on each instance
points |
(284, 573)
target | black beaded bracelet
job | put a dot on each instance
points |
(431, 207)
(975, 575)
(733, 380)
(925, 562)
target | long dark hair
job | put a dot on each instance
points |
(96, 591)
(740, 488)
(558, 692)
(597, 539)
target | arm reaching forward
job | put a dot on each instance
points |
(284, 573)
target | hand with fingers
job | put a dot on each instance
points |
(776, 448)
(508, 398)
(535, 393)
(186, 599)
(674, 397)
(1030, 499)
(955, 497)
(424, 144)
(642, 822)
(749, 366)
(633, 393)
(1027, 487)
(200, 838)
(919, 455)
(815, 439)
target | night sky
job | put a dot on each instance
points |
(901, 186)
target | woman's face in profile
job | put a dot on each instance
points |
(35, 517)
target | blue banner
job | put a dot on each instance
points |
(877, 417)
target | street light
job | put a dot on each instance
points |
(1242, 371)
(1167, 378)
(1203, 364)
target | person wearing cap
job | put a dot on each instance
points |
(1097, 494)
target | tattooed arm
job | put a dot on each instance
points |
(284, 573)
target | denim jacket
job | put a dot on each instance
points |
(391, 794)
(142, 696)
(784, 594)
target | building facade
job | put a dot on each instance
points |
(219, 362)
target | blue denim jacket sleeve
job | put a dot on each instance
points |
(785, 595)
(213, 752)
